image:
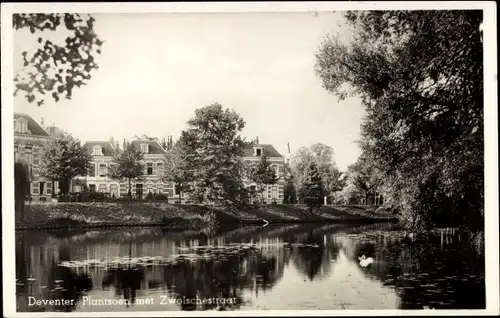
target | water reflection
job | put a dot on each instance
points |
(290, 267)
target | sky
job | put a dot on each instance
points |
(156, 69)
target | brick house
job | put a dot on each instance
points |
(30, 140)
(252, 154)
(97, 180)
(154, 156)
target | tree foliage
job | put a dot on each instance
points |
(323, 156)
(63, 159)
(54, 68)
(311, 191)
(127, 165)
(175, 168)
(263, 173)
(420, 76)
(364, 177)
(213, 149)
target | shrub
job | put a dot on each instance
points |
(161, 197)
(91, 197)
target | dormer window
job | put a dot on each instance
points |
(258, 152)
(21, 126)
(97, 151)
(144, 148)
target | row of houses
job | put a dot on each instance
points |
(30, 138)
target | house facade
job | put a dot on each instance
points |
(30, 140)
(154, 157)
(272, 192)
(97, 179)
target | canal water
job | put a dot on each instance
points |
(249, 268)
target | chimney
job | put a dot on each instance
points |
(257, 140)
(41, 121)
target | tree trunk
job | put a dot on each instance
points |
(129, 190)
(53, 189)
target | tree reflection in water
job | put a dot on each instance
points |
(221, 277)
(440, 270)
(426, 272)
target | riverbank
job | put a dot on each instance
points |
(184, 216)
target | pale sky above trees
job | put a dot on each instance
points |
(156, 69)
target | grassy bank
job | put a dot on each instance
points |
(184, 216)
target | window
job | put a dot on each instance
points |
(275, 192)
(145, 148)
(258, 152)
(29, 158)
(35, 188)
(114, 190)
(269, 192)
(48, 190)
(138, 190)
(21, 126)
(92, 170)
(149, 171)
(102, 188)
(36, 149)
(97, 151)
(276, 170)
(92, 187)
(159, 168)
(103, 170)
(35, 171)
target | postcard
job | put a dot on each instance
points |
(249, 159)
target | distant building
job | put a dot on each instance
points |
(30, 139)
(273, 192)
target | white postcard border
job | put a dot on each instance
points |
(490, 126)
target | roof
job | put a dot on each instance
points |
(107, 148)
(154, 147)
(33, 126)
(269, 149)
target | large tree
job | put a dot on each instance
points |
(212, 150)
(54, 68)
(127, 165)
(420, 77)
(311, 190)
(262, 173)
(322, 155)
(63, 159)
(365, 178)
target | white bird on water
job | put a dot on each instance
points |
(365, 261)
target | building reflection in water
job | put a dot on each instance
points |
(421, 270)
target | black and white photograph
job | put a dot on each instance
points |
(213, 159)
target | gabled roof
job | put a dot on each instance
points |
(33, 126)
(269, 149)
(154, 146)
(107, 148)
